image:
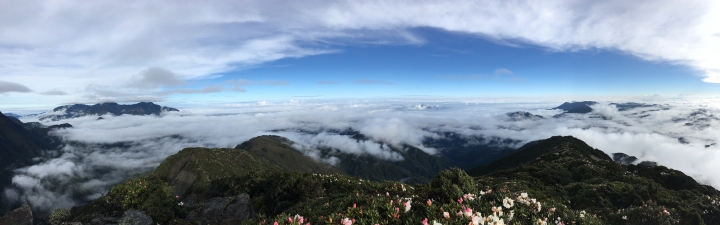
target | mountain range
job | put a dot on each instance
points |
(565, 179)
(269, 177)
(112, 108)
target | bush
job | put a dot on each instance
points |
(59, 215)
(149, 194)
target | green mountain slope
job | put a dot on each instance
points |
(568, 170)
(560, 180)
(278, 151)
(18, 147)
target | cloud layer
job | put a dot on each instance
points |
(104, 152)
(71, 45)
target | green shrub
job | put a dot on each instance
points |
(149, 194)
(59, 215)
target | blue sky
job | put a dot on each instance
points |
(456, 65)
(231, 51)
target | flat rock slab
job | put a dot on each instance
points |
(135, 217)
(19, 216)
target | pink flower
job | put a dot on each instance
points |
(407, 205)
(460, 200)
(354, 205)
(346, 221)
(299, 218)
(425, 222)
(446, 215)
(276, 223)
(429, 202)
(468, 211)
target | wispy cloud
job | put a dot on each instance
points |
(366, 81)
(501, 74)
(12, 87)
(244, 82)
(503, 71)
(200, 40)
(155, 77)
(53, 92)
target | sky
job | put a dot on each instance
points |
(194, 53)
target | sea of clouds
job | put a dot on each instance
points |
(102, 153)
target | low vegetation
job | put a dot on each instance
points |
(560, 180)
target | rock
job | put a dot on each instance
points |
(19, 216)
(238, 210)
(104, 220)
(224, 210)
(135, 217)
(623, 158)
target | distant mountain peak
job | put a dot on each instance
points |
(521, 115)
(576, 107)
(79, 110)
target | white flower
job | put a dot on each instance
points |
(508, 203)
(407, 205)
(181, 204)
(477, 219)
(436, 223)
(524, 195)
(469, 197)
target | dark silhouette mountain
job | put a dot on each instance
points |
(18, 147)
(631, 105)
(12, 115)
(79, 110)
(518, 116)
(470, 152)
(575, 107)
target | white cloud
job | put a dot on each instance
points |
(69, 45)
(366, 81)
(12, 87)
(54, 92)
(156, 77)
(503, 71)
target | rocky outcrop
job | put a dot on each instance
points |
(135, 217)
(192, 169)
(623, 158)
(19, 216)
(223, 210)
